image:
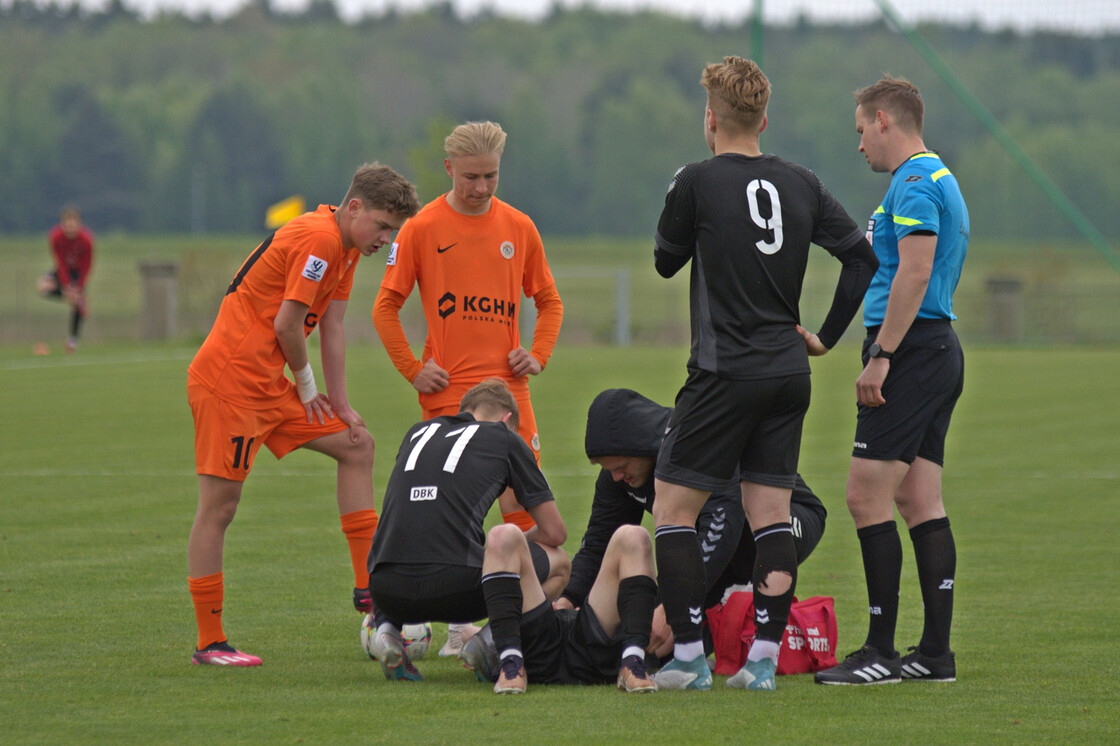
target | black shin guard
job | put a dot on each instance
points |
(503, 605)
(882, 568)
(776, 552)
(682, 580)
(637, 598)
(936, 555)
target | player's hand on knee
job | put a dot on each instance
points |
(318, 409)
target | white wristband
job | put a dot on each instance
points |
(305, 384)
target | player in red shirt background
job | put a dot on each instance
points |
(71, 245)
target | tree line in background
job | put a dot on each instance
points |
(177, 124)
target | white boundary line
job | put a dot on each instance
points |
(69, 361)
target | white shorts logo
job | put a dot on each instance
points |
(419, 494)
(392, 258)
(506, 249)
(315, 268)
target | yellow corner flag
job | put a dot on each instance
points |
(283, 211)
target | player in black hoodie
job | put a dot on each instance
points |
(624, 431)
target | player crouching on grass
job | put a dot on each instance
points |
(528, 640)
(426, 562)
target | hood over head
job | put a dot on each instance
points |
(622, 422)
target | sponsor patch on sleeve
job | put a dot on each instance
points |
(315, 268)
(392, 258)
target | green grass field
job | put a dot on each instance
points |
(96, 624)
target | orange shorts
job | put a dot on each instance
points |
(227, 437)
(527, 429)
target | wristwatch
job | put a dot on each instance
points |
(875, 350)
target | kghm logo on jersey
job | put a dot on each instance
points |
(506, 249)
(478, 308)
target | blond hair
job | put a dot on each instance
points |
(738, 92)
(475, 138)
(381, 188)
(492, 398)
(897, 96)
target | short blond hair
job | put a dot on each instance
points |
(381, 188)
(738, 92)
(475, 138)
(897, 96)
(492, 398)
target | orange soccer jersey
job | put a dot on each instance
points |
(305, 261)
(471, 270)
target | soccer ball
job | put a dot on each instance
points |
(417, 638)
(366, 634)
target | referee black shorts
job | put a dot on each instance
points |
(722, 427)
(414, 593)
(568, 647)
(925, 380)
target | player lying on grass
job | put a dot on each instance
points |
(426, 562)
(527, 639)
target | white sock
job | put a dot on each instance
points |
(687, 651)
(633, 650)
(455, 629)
(762, 649)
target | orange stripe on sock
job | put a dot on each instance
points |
(359, 527)
(207, 593)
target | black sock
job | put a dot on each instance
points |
(75, 323)
(682, 580)
(775, 552)
(936, 553)
(503, 605)
(637, 598)
(882, 568)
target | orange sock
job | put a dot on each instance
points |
(359, 527)
(207, 593)
(520, 518)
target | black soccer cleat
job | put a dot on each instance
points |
(918, 667)
(362, 601)
(865, 666)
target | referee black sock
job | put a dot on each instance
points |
(775, 553)
(637, 598)
(936, 553)
(882, 567)
(681, 578)
(503, 605)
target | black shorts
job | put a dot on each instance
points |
(410, 594)
(56, 287)
(925, 380)
(721, 427)
(568, 647)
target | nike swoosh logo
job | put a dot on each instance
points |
(215, 611)
(441, 249)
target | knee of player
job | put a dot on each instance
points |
(635, 539)
(504, 539)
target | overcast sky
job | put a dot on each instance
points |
(1081, 16)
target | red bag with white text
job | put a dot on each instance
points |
(808, 644)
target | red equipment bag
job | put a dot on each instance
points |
(808, 644)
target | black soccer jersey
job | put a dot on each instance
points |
(747, 224)
(449, 471)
